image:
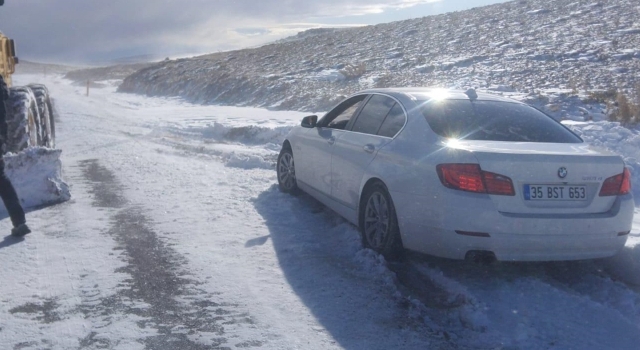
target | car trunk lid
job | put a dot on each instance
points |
(548, 178)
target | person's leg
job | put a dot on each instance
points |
(10, 198)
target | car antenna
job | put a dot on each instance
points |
(472, 94)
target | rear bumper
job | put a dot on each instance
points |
(523, 247)
(434, 227)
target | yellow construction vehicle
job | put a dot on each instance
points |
(30, 117)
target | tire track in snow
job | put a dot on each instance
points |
(159, 291)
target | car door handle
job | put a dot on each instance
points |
(369, 148)
(331, 140)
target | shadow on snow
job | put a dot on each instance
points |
(317, 251)
(11, 240)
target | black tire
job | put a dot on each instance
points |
(52, 122)
(46, 115)
(22, 120)
(286, 170)
(379, 223)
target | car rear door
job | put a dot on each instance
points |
(314, 148)
(354, 150)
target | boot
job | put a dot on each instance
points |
(20, 230)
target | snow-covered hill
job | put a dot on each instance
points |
(538, 48)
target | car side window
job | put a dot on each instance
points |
(373, 114)
(339, 117)
(393, 122)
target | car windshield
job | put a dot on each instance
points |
(493, 121)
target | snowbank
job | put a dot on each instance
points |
(37, 176)
(238, 146)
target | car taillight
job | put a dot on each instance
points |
(498, 184)
(465, 177)
(617, 185)
(626, 182)
(471, 178)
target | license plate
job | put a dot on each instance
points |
(555, 193)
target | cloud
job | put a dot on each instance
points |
(80, 30)
(252, 31)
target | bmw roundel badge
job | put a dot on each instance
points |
(562, 172)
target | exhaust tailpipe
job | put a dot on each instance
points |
(480, 257)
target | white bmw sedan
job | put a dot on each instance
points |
(460, 174)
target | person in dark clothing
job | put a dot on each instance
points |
(7, 192)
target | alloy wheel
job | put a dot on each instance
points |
(287, 171)
(376, 220)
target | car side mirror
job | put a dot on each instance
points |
(309, 122)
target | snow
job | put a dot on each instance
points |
(36, 175)
(617, 139)
(284, 272)
(331, 75)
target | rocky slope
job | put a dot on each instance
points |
(531, 47)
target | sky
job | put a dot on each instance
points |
(97, 32)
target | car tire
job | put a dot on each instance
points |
(286, 170)
(379, 223)
(23, 129)
(45, 112)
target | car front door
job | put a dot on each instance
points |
(314, 148)
(354, 151)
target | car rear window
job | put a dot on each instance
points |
(493, 121)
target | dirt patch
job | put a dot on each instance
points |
(105, 189)
(44, 312)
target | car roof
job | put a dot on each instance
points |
(428, 93)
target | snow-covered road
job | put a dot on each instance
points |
(177, 238)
